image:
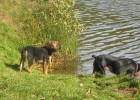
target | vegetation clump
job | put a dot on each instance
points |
(35, 22)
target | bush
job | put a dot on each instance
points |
(51, 20)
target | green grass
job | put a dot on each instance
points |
(24, 86)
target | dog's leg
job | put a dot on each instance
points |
(50, 62)
(45, 68)
(102, 69)
(29, 69)
(30, 63)
(23, 58)
(21, 65)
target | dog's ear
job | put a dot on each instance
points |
(49, 43)
(94, 56)
(59, 45)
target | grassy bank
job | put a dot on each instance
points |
(37, 86)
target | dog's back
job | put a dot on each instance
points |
(32, 52)
(124, 66)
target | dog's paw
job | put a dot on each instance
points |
(29, 70)
(45, 72)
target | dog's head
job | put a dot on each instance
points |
(54, 45)
(99, 58)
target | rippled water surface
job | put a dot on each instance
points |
(112, 27)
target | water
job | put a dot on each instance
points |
(112, 27)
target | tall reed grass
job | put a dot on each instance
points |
(44, 20)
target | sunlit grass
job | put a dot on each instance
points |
(15, 85)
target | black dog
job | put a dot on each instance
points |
(40, 55)
(115, 64)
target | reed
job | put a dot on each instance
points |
(38, 21)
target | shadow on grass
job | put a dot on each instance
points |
(14, 66)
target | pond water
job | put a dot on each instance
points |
(112, 27)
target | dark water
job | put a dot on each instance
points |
(112, 27)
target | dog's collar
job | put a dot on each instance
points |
(136, 67)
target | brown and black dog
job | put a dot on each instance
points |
(40, 55)
(116, 65)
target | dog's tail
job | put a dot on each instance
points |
(24, 54)
(94, 56)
